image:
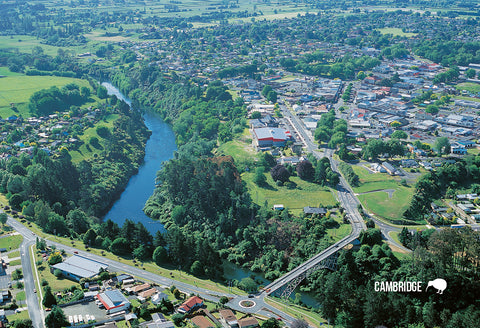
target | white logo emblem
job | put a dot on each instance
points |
(439, 284)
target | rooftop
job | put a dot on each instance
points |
(81, 266)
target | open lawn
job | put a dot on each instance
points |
(18, 90)
(239, 150)
(86, 150)
(15, 262)
(396, 32)
(13, 254)
(18, 316)
(376, 200)
(468, 86)
(337, 234)
(44, 273)
(11, 242)
(467, 98)
(304, 194)
(25, 43)
(20, 296)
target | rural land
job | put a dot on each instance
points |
(239, 163)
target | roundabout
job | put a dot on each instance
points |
(246, 304)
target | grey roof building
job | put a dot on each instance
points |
(78, 267)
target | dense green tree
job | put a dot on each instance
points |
(48, 298)
(280, 173)
(56, 318)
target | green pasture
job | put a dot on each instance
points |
(304, 194)
(18, 89)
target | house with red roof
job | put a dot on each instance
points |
(191, 304)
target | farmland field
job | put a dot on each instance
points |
(17, 89)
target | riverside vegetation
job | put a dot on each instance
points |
(207, 211)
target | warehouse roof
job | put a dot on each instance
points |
(81, 266)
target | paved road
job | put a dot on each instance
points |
(346, 196)
(36, 314)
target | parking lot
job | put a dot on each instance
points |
(89, 308)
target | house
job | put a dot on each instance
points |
(158, 321)
(114, 301)
(227, 317)
(139, 288)
(191, 304)
(278, 207)
(466, 143)
(202, 322)
(249, 322)
(147, 293)
(78, 267)
(4, 295)
(122, 277)
(375, 167)
(409, 163)
(314, 210)
(389, 168)
(158, 298)
(458, 149)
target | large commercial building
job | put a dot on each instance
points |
(114, 301)
(268, 137)
(78, 267)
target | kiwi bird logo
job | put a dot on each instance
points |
(439, 284)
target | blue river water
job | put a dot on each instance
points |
(159, 148)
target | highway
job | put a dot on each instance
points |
(37, 314)
(28, 279)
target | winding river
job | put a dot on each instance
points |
(159, 148)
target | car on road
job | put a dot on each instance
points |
(34, 290)
(75, 252)
(251, 296)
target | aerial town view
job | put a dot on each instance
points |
(240, 163)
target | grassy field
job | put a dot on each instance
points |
(379, 202)
(13, 254)
(468, 86)
(337, 234)
(20, 296)
(304, 194)
(239, 150)
(86, 150)
(25, 43)
(396, 32)
(11, 242)
(18, 316)
(15, 262)
(44, 273)
(18, 89)
(467, 98)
